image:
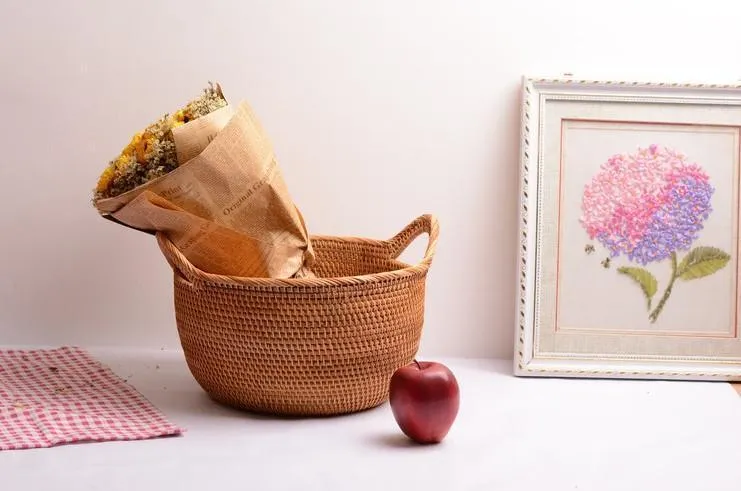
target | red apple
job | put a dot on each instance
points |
(424, 398)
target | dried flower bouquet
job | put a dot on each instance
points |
(207, 177)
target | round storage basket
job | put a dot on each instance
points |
(306, 346)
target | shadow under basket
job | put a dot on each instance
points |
(306, 346)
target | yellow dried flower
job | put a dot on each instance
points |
(117, 165)
(105, 179)
(151, 152)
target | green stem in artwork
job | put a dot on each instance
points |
(660, 306)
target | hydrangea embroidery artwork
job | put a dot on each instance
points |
(649, 207)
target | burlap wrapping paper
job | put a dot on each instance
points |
(227, 208)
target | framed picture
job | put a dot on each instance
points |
(629, 230)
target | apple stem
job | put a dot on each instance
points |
(417, 363)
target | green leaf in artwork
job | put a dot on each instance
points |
(702, 261)
(644, 278)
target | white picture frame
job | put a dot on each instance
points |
(629, 190)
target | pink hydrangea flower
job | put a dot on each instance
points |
(647, 205)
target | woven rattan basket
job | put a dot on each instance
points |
(311, 346)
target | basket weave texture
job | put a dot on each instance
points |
(306, 346)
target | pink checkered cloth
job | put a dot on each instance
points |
(50, 397)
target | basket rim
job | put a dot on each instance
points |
(395, 246)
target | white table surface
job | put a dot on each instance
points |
(511, 434)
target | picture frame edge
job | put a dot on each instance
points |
(525, 362)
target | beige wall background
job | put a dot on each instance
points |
(379, 111)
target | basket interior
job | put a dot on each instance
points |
(342, 257)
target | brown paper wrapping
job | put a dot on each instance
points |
(227, 209)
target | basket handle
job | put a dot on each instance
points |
(423, 224)
(396, 245)
(176, 259)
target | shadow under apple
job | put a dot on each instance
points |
(396, 440)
